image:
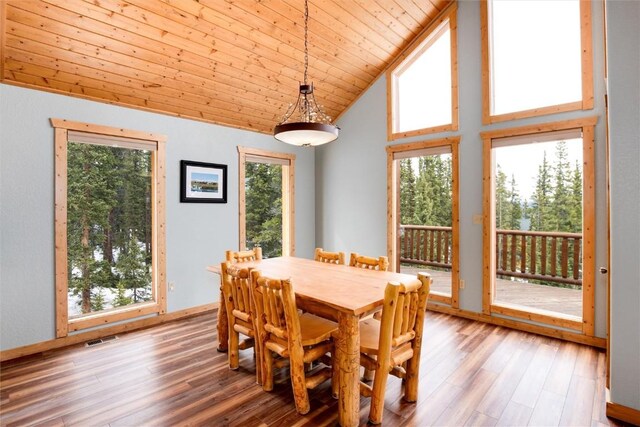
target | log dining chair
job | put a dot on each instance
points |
(329, 257)
(236, 290)
(233, 257)
(301, 338)
(243, 256)
(392, 345)
(370, 263)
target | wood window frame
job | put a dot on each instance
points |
(489, 307)
(587, 72)
(156, 142)
(393, 210)
(288, 195)
(450, 14)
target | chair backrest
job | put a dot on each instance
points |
(402, 320)
(329, 257)
(361, 261)
(236, 288)
(276, 313)
(254, 254)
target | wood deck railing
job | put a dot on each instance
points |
(535, 255)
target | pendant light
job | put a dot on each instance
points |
(304, 123)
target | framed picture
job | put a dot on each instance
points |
(203, 182)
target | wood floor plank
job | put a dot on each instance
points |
(499, 395)
(578, 405)
(515, 414)
(478, 419)
(561, 372)
(470, 374)
(548, 410)
(534, 378)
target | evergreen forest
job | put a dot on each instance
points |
(263, 201)
(108, 227)
(555, 205)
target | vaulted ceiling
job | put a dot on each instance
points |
(234, 62)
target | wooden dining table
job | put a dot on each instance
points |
(337, 292)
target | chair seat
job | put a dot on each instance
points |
(369, 336)
(314, 329)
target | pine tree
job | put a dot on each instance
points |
(575, 201)
(515, 206)
(407, 192)
(264, 207)
(559, 220)
(89, 201)
(541, 198)
(133, 271)
(121, 299)
(502, 199)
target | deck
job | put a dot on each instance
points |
(560, 300)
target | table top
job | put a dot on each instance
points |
(348, 289)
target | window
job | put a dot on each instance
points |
(266, 201)
(536, 58)
(422, 87)
(539, 223)
(109, 225)
(423, 226)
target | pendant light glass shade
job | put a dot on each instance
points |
(304, 123)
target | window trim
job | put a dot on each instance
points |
(586, 324)
(450, 14)
(586, 46)
(157, 142)
(393, 209)
(287, 161)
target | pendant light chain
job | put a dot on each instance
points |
(306, 45)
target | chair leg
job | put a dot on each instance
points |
(335, 374)
(267, 375)
(257, 355)
(411, 383)
(377, 395)
(234, 340)
(299, 386)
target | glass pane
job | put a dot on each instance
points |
(425, 217)
(534, 65)
(263, 199)
(424, 88)
(108, 227)
(538, 217)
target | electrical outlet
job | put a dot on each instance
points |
(172, 286)
(461, 284)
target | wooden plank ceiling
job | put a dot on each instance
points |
(235, 62)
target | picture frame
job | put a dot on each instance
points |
(202, 182)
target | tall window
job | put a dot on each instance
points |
(109, 224)
(536, 58)
(422, 84)
(423, 228)
(266, 201)
(539, 223)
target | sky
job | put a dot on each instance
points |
(533, 66)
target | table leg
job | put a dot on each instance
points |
(348, 349)
(223, 325)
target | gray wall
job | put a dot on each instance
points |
(351, 173)
(197, 234)
(623, 56)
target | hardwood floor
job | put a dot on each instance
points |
(471, 374)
